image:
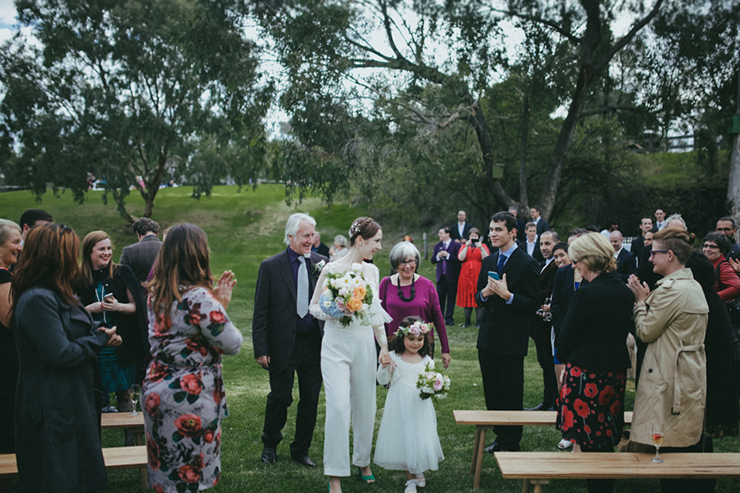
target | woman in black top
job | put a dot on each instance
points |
(592, 343)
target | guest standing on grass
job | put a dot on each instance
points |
(471, 255)
(57, 425)
(10, 249)
(113, 296)
(183, 396)
(672, 320)
(448, 270)
(592, 343)
(287, 338)
(141, 255)
(348, 361)
(407, 294)
(510, 301)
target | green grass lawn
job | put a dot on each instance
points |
(243, 229)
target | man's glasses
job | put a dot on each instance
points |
(653, 252)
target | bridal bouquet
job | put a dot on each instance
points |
(432, 384)
(346, 295)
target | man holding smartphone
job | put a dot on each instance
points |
(508, 289)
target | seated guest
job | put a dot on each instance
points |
(57, 425)
(593, 346)
(672, 320)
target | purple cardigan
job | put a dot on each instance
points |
(425, 305)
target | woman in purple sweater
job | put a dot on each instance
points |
(407, 294)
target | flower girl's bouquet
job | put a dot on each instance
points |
(432, 384)
(346, 295)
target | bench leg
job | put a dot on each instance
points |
(525, 486)
(480, 445)
(475, 450)
(142, 470)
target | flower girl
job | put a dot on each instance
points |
(407, 439)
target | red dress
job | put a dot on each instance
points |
(467, 283)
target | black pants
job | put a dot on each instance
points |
(540, 333)
(503, 387)
(447, 292)
(598, 485)
(306, 362)
(690, 485)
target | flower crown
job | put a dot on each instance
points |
(415, 329)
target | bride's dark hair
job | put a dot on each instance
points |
(363, 226)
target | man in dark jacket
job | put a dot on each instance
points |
(141, 256)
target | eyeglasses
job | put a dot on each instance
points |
(710, 246)
(719, 230)
(407, 262)
(653, 252)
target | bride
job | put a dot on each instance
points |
(348, 362)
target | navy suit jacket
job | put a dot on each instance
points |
(455, 235)
(563, 291)
(626, 264)
(453, 264)
(275, 320)
(542, 226)
(505, 328)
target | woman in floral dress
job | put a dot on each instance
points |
(183, 395)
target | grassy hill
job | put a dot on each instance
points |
(243, 229)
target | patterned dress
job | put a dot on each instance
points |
(183, 396)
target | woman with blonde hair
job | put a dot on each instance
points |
(112, 295)
(183, 396)
(592, 344)
(57, 426)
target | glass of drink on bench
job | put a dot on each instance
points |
(657, 436)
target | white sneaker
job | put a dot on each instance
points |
(565, 444)
(410, 486)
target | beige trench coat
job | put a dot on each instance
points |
(672, 392)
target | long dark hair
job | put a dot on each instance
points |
(49, 259)
(397, 344)
(182, 260)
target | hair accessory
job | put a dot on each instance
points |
(354, 229)
(415, 329)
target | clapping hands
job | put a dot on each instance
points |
(224, 287)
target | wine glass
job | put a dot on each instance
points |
(135, 394)
(657, 437)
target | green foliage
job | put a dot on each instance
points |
(153, 88)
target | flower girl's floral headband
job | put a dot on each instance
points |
(415, 329)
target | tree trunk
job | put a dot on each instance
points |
(733, 191)
(121, 206)
(478, 120)
(523, 139)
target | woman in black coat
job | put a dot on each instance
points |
(57, 429)
(592, 343)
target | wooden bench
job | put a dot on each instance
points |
(485, 420)
(115, 458)
(114, 421)
(539, 468)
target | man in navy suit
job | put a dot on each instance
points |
(510, 303)
(459, 231)
(287, 339)
(626, 261)
(538, 220)
(448, 270)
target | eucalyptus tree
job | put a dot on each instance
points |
(132, 92)
(388, 52)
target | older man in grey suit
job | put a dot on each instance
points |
(141, 256)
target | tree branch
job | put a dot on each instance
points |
(551, 24)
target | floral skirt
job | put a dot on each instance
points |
(591, 409)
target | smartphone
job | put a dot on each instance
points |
(493, 274)
(109, 297)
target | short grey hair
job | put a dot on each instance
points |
(294, 224)
(676, 217)
(5, 227)
(341, 240)
(400, 251)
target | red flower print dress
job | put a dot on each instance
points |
(183, 395)
(591, 411)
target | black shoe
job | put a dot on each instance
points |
(269, 455)
(539, 407)
(304, 460)
(510, 447)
